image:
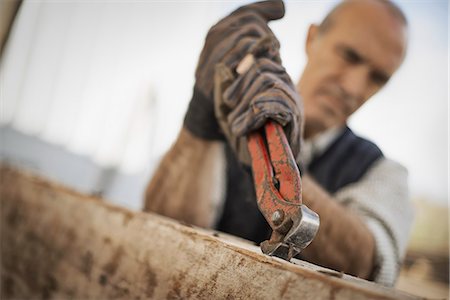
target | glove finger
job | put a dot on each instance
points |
(222, 37)
(257, 14)
(262, 65)
(269, 10)
(289, 114)
(231, 60)
(249, 122)
(267, 65)
(271, 104)
(229, 25)
(234, 21)
(249, 83)
(237, 53)
(212, 53)
(267, 47)
(238, 97)
(266, 107)
(225, 44)
(294, 123)
(262, 84)
(279, 102)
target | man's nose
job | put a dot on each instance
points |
(354, 82)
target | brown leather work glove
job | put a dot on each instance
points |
(227, 42)
(261, 91)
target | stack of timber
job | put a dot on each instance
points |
(59, 244)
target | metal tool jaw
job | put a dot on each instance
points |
(301, 234)
(279, 193)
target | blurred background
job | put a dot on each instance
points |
(94, 92)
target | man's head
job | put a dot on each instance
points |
(351, 55)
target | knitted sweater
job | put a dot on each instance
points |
(381, 198)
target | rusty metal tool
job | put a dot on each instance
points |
(279, 193)
(279, 188)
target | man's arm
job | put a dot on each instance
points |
(188, 184)
(343, 242)
(371, 218)
(382, 200)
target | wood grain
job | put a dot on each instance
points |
(60, 244)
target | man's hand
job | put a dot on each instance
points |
(261, 91)
(227, 43)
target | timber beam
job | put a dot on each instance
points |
(57, 243)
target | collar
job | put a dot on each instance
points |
(317, 145)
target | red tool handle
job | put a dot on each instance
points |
(276, 175)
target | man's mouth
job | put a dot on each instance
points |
(333, 106)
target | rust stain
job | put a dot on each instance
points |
(8, 287)
(103, 279)
(70, 294)
(210, 287)
(86, 264)
(50, 286)
(177, 283)
(214, 278)
(111, 267)
(333, 292)
(241, 262)
(127, 217)
(230, 297)
(119, 292)
(71, 235)
(285, 288)
(152, 282)
(14, 217)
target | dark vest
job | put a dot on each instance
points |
(344, 162)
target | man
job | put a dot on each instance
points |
(360, 196)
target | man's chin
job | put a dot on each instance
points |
(314, 127)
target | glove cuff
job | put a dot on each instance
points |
(200, 119)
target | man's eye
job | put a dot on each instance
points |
(351, 56)
(379, 79)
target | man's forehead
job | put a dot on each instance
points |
(373, 5)
(379, 15)
(375, 8)
(368, 25)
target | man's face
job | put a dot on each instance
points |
(348, 63)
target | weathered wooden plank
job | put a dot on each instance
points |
(57, 243)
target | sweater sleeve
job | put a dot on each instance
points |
(381, 199)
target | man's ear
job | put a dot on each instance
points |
(312, 35)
